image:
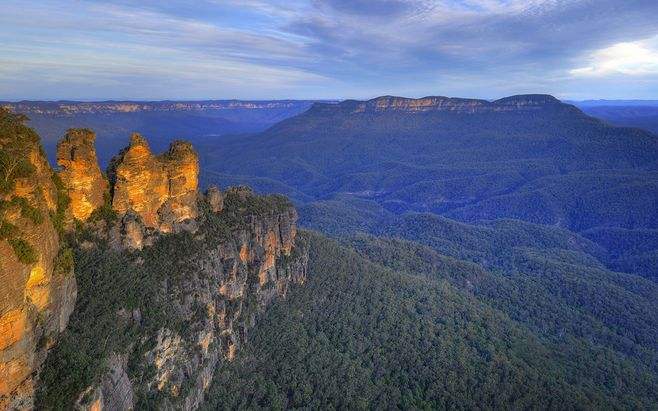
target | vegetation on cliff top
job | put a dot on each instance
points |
(17, 142)
(113, 285)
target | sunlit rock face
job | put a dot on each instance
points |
(181, 164)
(37, 286)
(161, 189)
(232, 278)
(242, 254)
(139, 181)
(79, 171)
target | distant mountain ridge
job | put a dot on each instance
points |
(616, 103)
(486, 254)
(113, 121)
(441, 103)
(84, 107)
(528, 157)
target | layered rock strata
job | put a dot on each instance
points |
(161, 190)
(80, 173)
(231, 279)
(238, 251)
(513, 104)
(37, 286)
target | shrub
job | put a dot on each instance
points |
(24, 251)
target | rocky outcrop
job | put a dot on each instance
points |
(161, 190)
(236, 278)
(215, 199)
(513, 104)
(37, 286)
(80, 173)
(240, 259)
(238, 253)
(114, 392)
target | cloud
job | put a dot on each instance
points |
(368, 7)
(326, 48)
(638, 58)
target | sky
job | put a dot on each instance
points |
(327, 49)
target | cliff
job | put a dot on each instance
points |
(80, 173)
(69, 108)
(170, 280)
(37, 286)
(161, 190)
(154, 325)
(513, 104)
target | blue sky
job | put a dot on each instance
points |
(262, 49)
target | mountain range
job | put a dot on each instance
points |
(453, 253)
(530, 158)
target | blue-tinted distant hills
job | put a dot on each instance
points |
(487, 253)
(353, 164)
(358, 164)
(161, 121)
(614, 103)
(629, 113)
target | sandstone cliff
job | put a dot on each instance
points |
(80, 173)
(513, 104)
(70, 108)
(154, 325)
(161, 190)
(37, 286)
(170, 280)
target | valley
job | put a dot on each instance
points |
(450, 251)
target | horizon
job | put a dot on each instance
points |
(319, 100)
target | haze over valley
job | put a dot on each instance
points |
(273, 205)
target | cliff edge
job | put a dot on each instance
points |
(37, 285)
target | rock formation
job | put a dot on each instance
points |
(514, 104)
(79, 171)
(238, 252)
(37, 286)
(215, 199)
(162, 189)
(230, 279)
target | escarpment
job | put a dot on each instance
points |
(169, 314)
(149, 193)
(79, 171)
(37, 285)
(160, 189)
(387, 104)
(170, 280)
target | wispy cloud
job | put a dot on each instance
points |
(324, 48)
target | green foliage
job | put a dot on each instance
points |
(398, 325)
(552, 166)
(23, 250)
(10, 232)
(16, 140)
(7, 230)
(27, 210)
(59, 216)
(64, 262)
(16, 143)
(112, 285)
(11, 168)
